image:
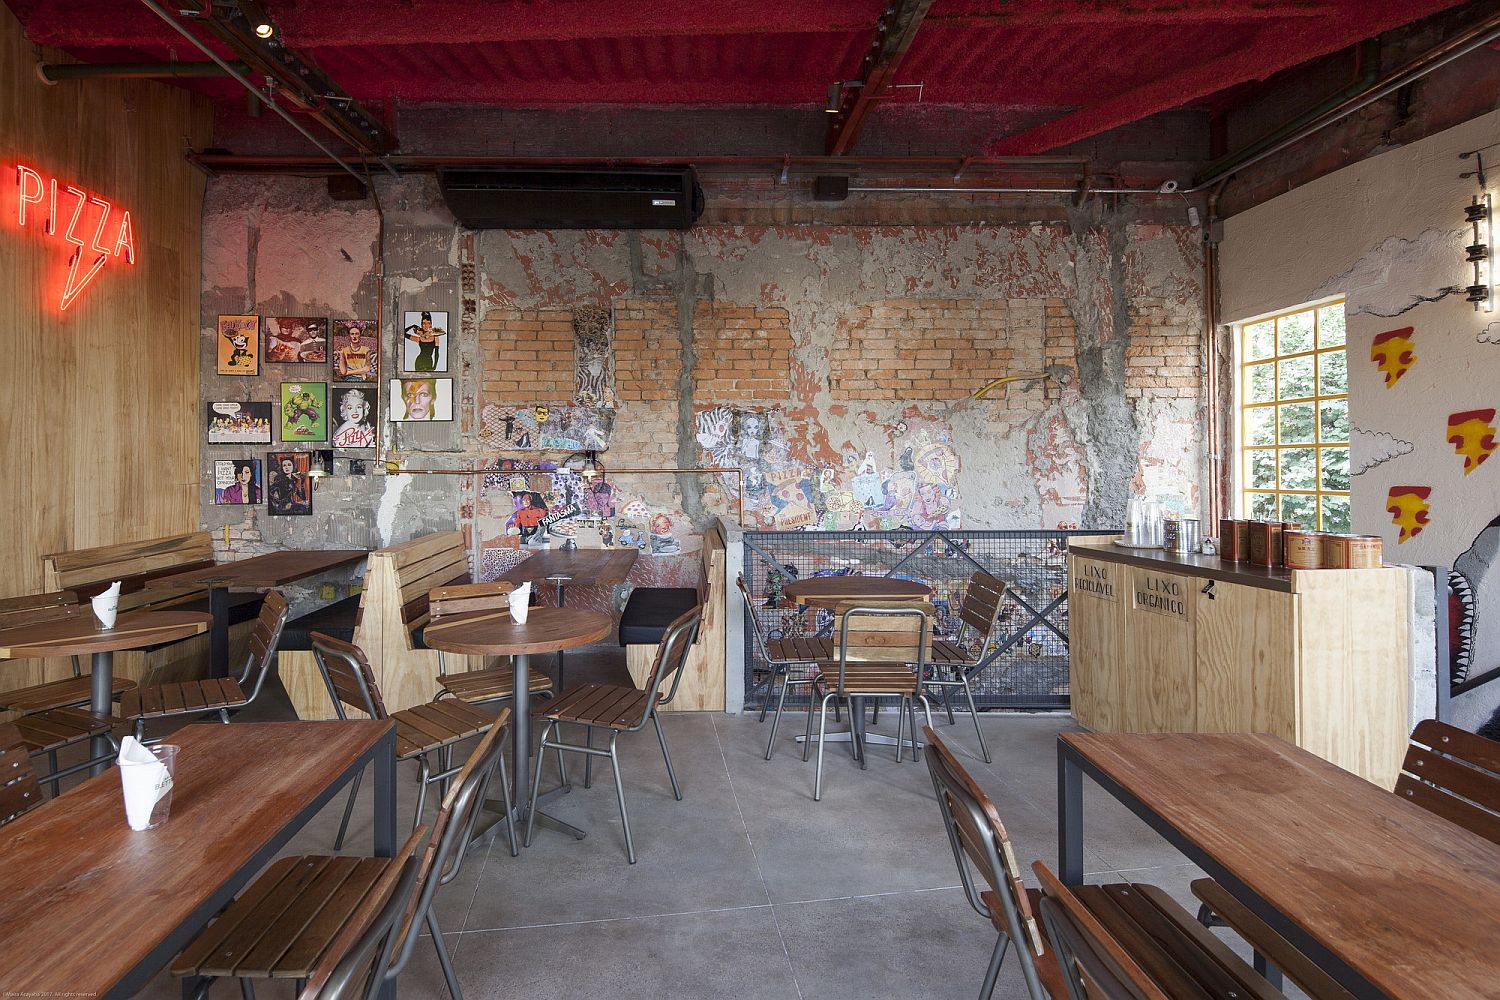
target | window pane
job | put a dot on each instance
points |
(1260, 469)
(1260, 340)
(1296, 421)
(1260, 383)
(1262, 506)
(1299, 468)
(1295, 332)
(1297, 378)
(1335, 420)
(1260, 425)
(1331, 325)
(1299, 508)
(1333, 373)
(1336, 514)
(1335, 468)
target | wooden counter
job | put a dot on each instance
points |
(1166, 643)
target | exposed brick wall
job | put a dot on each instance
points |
(527, 356)
(1165, 358)
(743, 354)
(648, 350)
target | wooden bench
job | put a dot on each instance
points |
(87, 572)
(645, 620)
(392, 611)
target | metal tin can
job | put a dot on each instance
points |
(1304, 549)
(1265, 543)
(1187, 536)
(1242, 546)
(1229, 539)
(1352, 551)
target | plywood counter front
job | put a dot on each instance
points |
(1164, 643)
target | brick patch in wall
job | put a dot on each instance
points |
(744, 353)
(1165, 356)
(648, 350)
(527, 356)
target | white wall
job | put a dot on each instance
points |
(1389, 234)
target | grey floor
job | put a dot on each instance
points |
(748, 888)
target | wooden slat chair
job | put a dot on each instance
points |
(219, 695)
(619, 710)
(978, 839)
(271, 933)
(979, 613)
(1269, 945)
(1128, 941)
(490, 683)
(18, 787)
(54, 729)
(421, 731)
(300, 909)
(73, 690)
(1455, 774)
(881, 652)
(781, 656)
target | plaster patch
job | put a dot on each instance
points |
(390, 502)
(1368, 449)
(1380, 282)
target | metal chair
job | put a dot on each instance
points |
(979, 615)
(490, 683)
(619, 710)
(421, 730)
(878, 646)
(219, 695)
(65, 693)
(781, 655)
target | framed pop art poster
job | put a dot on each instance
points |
(238, 481)
(289, 491)
(239, 423)
(421, 399)
(424, 341)
(297, 340)
(304, 411)
(356, 351)
(239, 345)
(355, 416)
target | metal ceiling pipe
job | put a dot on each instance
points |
(1007, 190)
(58, 72)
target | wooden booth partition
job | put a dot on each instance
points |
(392, 606)
(703, 682)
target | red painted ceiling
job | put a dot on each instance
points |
(1114, 60)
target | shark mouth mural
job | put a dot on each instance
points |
(1474, 607)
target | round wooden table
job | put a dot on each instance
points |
(495, 633)
(830, 591)
(83, 634)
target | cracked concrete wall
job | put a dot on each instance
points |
(1389, 234)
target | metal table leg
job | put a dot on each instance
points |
(218, 632)
(101, 702)
(385, 795)
(1069, 817)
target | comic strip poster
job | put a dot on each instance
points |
(290, 489)
(421, 399)
(297, 340)
(356, 351)
(239, 423)
(424, 341)
(304, 411)
(237, 481)
(239, 345)
(550, 428)
(355, 414)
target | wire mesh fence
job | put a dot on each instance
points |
(1025, 667)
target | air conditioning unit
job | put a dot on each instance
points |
(565, 198)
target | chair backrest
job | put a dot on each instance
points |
(89, 571)
(38, 608)
(671, 657)
(18, 788)
(454, 598)
(883, 632)
(1094, 964)
(1455, 774)
(264, 638)
(975, 832)
(353, 967)
(983, 599)
(452, 832)
(348, 676)
(755, 626)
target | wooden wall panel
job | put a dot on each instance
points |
(98, 404)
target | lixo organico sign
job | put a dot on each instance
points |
(87, 225)
(1160, 593)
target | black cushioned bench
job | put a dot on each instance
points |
(650, 610)
(337, 619)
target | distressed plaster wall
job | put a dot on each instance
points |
(1389, 234)
(1107, 305)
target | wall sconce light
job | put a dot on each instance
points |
(836, 94)
(320, 466)
(586, 464)
(264, 30)
(1480, 254)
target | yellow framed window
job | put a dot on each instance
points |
(1293, 439)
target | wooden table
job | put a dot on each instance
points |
(1391, 900)
(830, 591)
(83, 634)
(90, 908)
(274, 569)
(495, 633)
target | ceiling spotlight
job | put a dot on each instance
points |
(264, 30)
(836, 94)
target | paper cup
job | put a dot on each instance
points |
(106, 606)
(147, 786)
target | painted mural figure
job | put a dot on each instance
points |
(531, 508)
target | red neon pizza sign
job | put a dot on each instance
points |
(87, 221)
